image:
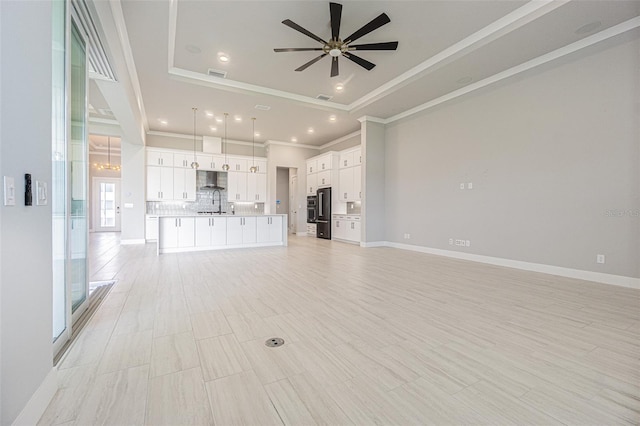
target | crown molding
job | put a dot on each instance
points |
(341, 139)
(291, 144)
(372, 119)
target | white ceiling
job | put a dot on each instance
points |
(443, 46)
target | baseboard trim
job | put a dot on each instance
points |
(598, 277)
(133, 241)
(373, 244)
(39, 401)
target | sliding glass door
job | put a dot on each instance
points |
(69, 174)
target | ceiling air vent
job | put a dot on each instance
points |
(324, 97)
(217, 73)
(263, 107)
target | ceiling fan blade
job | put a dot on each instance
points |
(311, 62)
(334, 66)
(376, 23)
(358, 60)
(390, 45)
(297, 49)
(336, 16)
(289, 23)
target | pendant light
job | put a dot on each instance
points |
(253, 168)
(225, 166)
(108, 165)
(195, 164)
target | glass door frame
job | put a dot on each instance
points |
(96, 209)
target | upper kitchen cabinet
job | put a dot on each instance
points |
(312, 166)
(261, 165)
(325, 162)
(159, 158)
(237, 164)
(182, 160)
(350, 158)
(184, 184)
(210, 162)
(159, 183)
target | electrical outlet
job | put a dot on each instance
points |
(451, 241)
(468, 243)
(470, 185)
(600, 258)
(408, 236)
(462, 185)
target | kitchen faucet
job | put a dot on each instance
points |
(213, 200)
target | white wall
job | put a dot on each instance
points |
(132, 192)
(550, 155)
(25, 232)
(341, 146)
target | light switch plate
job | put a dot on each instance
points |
(9, 191)
(42, 196)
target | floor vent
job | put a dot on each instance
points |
(217, 73)
(324, 97)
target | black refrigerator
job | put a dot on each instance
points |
(323, 222)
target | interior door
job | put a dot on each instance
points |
(106, 205)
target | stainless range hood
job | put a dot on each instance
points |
(211, 179)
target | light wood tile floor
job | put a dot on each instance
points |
(373, 336)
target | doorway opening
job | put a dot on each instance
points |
(286, 190)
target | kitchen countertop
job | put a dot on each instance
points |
(190, 214)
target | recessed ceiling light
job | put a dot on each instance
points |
(294, 139)
(590, 27)
(257, 134)
(464, 80)
(310, 130)
(223, 57)
(332, 118)
(192, 48)
(219, 120)
(339, 87)
(213, 128)
(237, 118)
(163, 121)
(209, 114)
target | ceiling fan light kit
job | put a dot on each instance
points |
(336, 46)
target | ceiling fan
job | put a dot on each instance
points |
(336, 46)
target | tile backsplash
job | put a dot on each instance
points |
(205, 201)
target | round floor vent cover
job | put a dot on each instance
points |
(274, 342)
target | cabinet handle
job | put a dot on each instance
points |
(360, 194)
(345, 195)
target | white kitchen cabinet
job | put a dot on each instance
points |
(151, 228)
(352, 229)
(357, 183)
(357, 157)
(350, 184)
(269, 229)
(176, 232)
(346, 228)
(346, 159)
(312, 229)
(241, 230)
(159, 183)
(159, 158)
(210, 162)
(184, 184)
(324, 179)
(312, 166)
(261, 165)
(211, 231)
(325, 162)
(236, 186)
(182, 160)
(257, 187)
(339, 230)
(312, 184)
(238, 164)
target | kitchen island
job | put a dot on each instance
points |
(198, 232)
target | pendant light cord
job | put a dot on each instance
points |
(194, 133)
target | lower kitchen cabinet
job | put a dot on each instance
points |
(176, 232)
(151, 228)
(269, 229)
(211, 231)
(346, 228)
(241, 230)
